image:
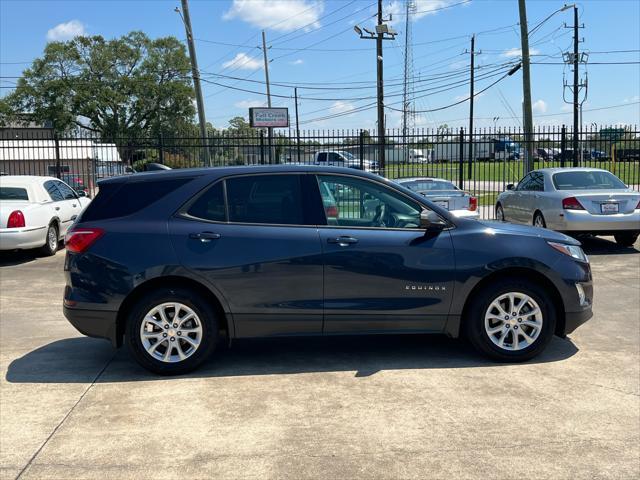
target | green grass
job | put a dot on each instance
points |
(508, 172)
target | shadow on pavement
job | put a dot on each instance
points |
(605, 246)
(11, 258)
(79, 360)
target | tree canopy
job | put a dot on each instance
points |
(127, 86)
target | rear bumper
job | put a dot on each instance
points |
(582, 221)
(22, 238)
(94, 323)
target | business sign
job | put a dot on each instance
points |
(268, 117)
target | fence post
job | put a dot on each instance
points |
(461, 160)
(361, 149)
(563, 144)
(261, 147)
(56, 143)
(160, 149)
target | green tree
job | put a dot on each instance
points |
(127, 86)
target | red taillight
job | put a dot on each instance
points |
(571, 203)
(77, 241)
(473, 204)
(332, 212)
(16, 220)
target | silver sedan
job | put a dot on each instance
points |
(574, 200)
(443, 193)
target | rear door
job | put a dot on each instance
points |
(251, 239)
(382, 272)
(513, 208)
(70, 205)
(531, 197)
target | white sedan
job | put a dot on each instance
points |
(36, 212)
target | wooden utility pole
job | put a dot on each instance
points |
(471, 95)
(576, 88)
(526, 86)
(380, 84)
(266, 74)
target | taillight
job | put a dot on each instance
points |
(78, 241)
(571, 203)
(332, 212)
(473, 204)
(16, 220)
(638, 205)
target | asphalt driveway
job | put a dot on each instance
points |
(380, 407)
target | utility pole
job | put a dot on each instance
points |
(576, 81)
(295, 94)
(471, 95)
(383, 32)
(195, 73)
(526, 86)
(407, 91)
(266, 74)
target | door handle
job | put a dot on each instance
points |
(204, 236)
(343, 241)
(57, 208)
(74, 205)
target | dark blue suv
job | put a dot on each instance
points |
(172, 262)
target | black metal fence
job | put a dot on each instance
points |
(482, 163)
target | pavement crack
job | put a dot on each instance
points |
(68, 414)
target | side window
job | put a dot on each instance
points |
(322, 157)
(524, 183)
(66, 191)
(353, 202)
(271, 199)
(210, 205)
(537, 182)
(335, 158)
(52, 190)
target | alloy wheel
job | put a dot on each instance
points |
(513, 321)
(52, 238)
(171, 332)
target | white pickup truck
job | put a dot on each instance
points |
(341, 158)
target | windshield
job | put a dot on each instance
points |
(13, 193)
(585, 180)
(428, 185)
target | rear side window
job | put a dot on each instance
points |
(13, 193)
(210, 205)
(273, 199)
(53, 191)
(122, 199)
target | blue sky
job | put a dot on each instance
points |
(313, 45)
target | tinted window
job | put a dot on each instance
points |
(334, 157)
(524, 183)
(13, 193)
(52, 190)
(66, 191)
(121, 199)
(322, 157)
(353, 202)
(274, 199)
(584, 180)
(428, 185)
(210, 205)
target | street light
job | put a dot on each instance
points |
(564, 8)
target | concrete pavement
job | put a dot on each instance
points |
(380, 407)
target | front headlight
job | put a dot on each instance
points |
(571, 250)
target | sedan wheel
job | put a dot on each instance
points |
(499, 213)
(538, 221)
(51, 241)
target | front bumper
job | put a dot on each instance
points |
(94, 323)
(22, 238)
(573, 320)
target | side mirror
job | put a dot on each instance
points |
(430, 220)
(81, 193)
(511, 186)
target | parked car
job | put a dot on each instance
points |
(35, 212)
(444, 194)
(575, 201)
(266, 251)
(545, 154)
(341, 158)
(76, 182)
(567, 155)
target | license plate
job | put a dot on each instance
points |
(442, 203)
(609, 208)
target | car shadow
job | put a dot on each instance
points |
(606, 246)
(18, 257)
(81, 359)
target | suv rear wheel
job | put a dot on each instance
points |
(171, 331)
(511, 320)
(626, 239)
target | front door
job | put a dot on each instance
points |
(250, 239)
(383, 273)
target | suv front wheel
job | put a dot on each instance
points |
(171, 331)
(510, 320)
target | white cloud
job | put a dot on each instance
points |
(517, 52)
(243, 61)
(281, 15)
(66, 31)
(539, 106)
(341, 106)
(249, 104)
(299, 61)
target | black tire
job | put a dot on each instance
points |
(500, 213)
(538, 217)
(205, 313)
(50, 247)
(474, 321)
(626, 239)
